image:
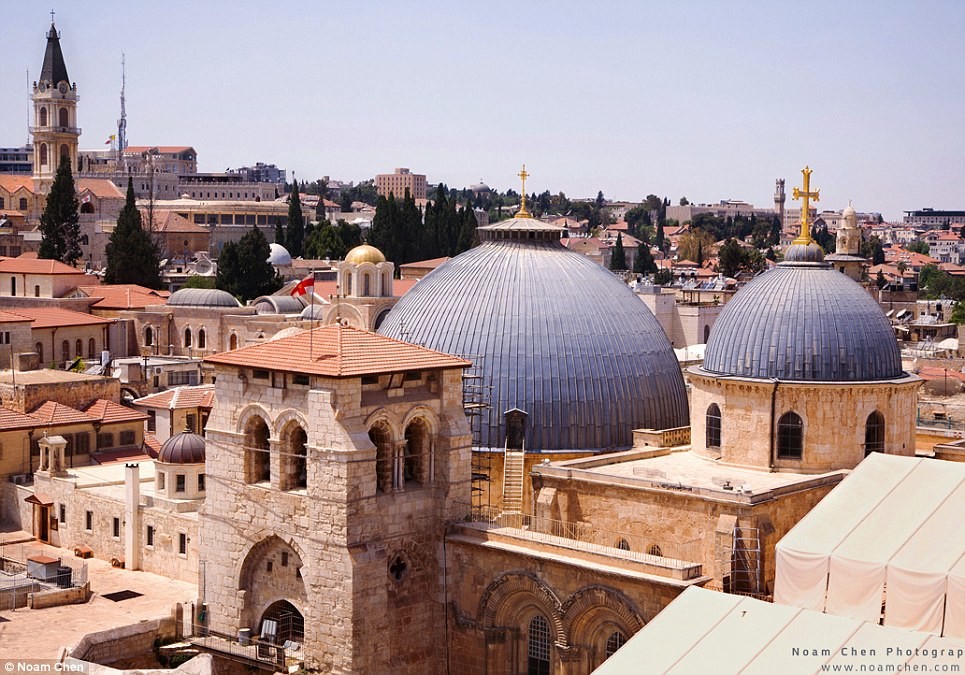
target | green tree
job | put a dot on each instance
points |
(872, 249)
(644, 263)
(59, 223)
(684, 201)
(132, 254)
(662, 277)
(324, 241)
(280, 232)
(918, 246)
(244, 270)
(618, 260)
(295, 234)
(880, 281)
(692, 244)
(730, 258)
(198, 281)
(958, 313)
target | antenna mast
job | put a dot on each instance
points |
(122, 123)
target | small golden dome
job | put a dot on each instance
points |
(363, 254)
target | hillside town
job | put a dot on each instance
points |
(253, 423)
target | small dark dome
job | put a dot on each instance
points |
(202, 297)
(278, 304)
(806, 322)
(184, 448)
(811, 252)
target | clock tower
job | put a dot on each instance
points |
(54, 129)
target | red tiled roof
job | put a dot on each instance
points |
(13, 182)
(402, 286)
(11, 419)
(57, 317)
(108, 412)
(170, 221)
(432, 263)
(52, 412)
(99, 187)
(123, 296)
(29, 265)
(10, 317)
(151, 444)
(121, 455)
(337, 351)
(200, 396)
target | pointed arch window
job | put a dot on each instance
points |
(713, 426)
(874, 433)
(187, 337)
(614, 642)
(64, 118)
(790, 436)
(43, 154)
(43, 117)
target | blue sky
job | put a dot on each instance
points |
(711, 100)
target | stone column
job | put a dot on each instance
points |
(52, 460)
(132, 516)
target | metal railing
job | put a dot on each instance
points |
(281, 656)
(589, 538)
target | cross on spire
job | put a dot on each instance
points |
(805, 194)
(51, 17)
(523, 213)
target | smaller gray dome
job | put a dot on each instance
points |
(202, 297)
(277, 304)
(279, 255)
(801, 253)
(315, 311)
(183, 448)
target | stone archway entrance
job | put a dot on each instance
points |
(284, 619)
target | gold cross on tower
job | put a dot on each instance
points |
(523, 213)
(805, 237)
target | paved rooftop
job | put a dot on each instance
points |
(42, 633)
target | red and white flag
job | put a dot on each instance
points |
(305, 285)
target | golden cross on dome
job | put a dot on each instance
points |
(805, 194)
(523, 213)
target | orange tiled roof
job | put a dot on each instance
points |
(57, 317)
(99, 187)
(338, 351)
(28, 265)
(170, 221)
(432, 263)
(199, 396)
(402, 286)
(11, 419)
(13, 182)
(129, 454)
(123, 296)
(10, 317)
(52, 412)
(108, 412)
(151, 444)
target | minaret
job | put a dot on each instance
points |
(849, 236)
(55, 132)
(779, 200)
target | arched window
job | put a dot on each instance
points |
(790, 436)
(233, 341)
(384, 285)
(64, 118)
(148, 336)
(187, 337)
(415, 456)
(384, 474)
(79, 348)
(713, 426)
(43, 118)
(39, 348)
(43, 154)
(86, 207)
(347, 285)
(706, 334)
(36, 290)
(538, 646)
(257, 451)
(613, 643)
(874, 433)
(65, 351)
(64, 151)
(655, 550)
(23, 203)
(91, 349)
(623, 545)
(366, 285)
(202, 340)
(294, 458)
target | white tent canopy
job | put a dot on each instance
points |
(708, 632)
(895, 524)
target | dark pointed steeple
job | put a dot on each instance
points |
(54, 69)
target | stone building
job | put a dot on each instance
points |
(334, 458)
(399, 181)
(847, 256)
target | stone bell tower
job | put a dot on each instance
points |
(54, 129)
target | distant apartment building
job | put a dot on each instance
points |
(945, 246)
(16, 160)
(261, 173)
(723, 209)
(399, 181)
(930, 218)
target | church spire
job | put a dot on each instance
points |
(54, 69)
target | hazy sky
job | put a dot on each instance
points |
(711, 100)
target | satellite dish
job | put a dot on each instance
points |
(203, 267)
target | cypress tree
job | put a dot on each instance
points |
(59, 224)
(244, 270)
(132, 254)
(295, 236)
(644, 263)
(618, 261)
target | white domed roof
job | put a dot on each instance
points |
(279, 255)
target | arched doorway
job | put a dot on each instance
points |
(257, 451)
(289, 624)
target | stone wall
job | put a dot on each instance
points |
(125, 643)
(834, 417)
(59, 596)
(495, 591)
(70, 389)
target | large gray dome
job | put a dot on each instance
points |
(553, 333)
(803, 321)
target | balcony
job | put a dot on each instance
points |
(75, 131)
